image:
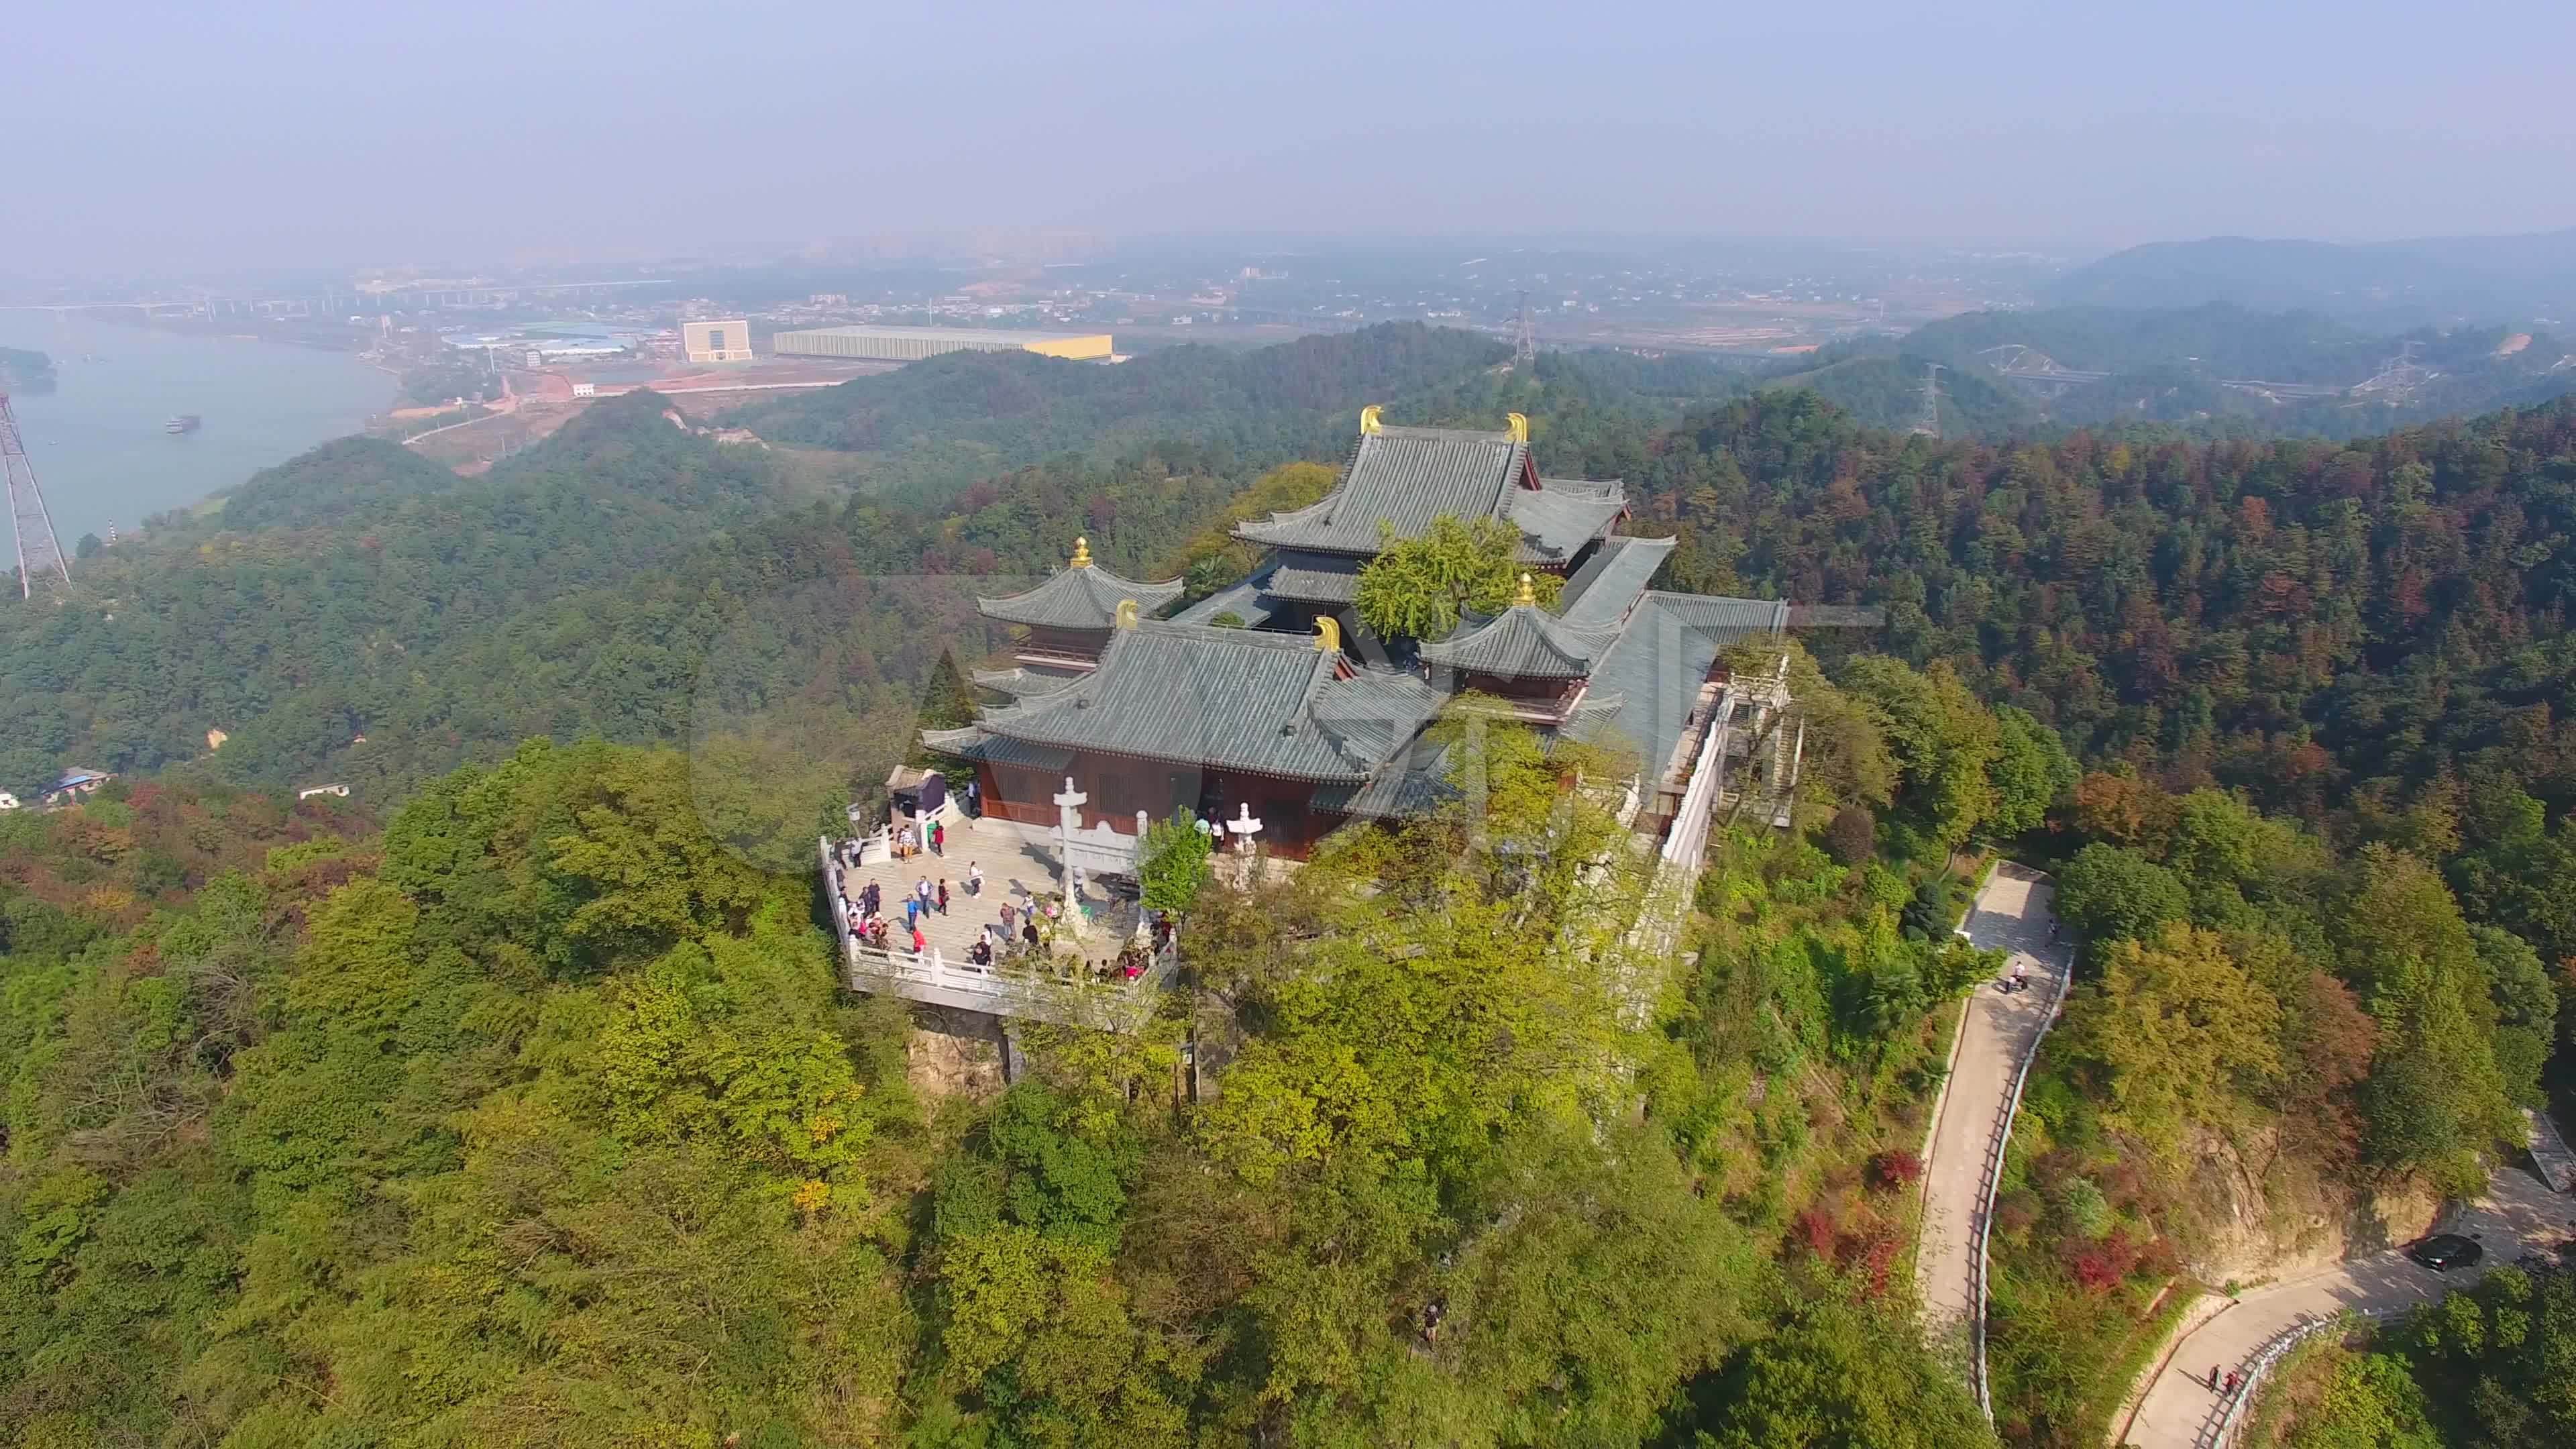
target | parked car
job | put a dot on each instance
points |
(2445, 1250)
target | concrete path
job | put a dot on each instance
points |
(2011, 914)
(2517, 1215)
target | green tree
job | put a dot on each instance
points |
(1415, 588)
(1177, 864)
(2182, 1032)
(2370, 1401)
(2110, 893)
(2436, 1097)
(1946, 743)
(2031, 772)
(1840, 1373)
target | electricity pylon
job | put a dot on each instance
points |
(40, 554)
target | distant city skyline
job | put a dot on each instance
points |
(276, 136)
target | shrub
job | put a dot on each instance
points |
(1816, 1228)
(2097, 1271)
(1852, 835)
(2158, 1260)
(2015, 1211)
(2087, 1211)
(1894, 1168)
(2102, 1266)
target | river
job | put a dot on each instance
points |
(96, 440)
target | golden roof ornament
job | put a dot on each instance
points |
(1529, 594)
(1518, 425)
(1328, 634)
(1126, 616)
(1368, 419)
(1082, 553)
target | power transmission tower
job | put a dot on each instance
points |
(40, 554)
(1525, 342)
(1929, 424)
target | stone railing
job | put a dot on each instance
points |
(1688, 838)
(1023, 984)
(2225, 1425)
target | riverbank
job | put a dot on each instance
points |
(97, 440)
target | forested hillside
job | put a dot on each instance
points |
(2347, 632)
(361, 566)
(537, 1119)
(931, 428)
(1887, 392)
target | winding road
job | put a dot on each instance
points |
(2518, 1214)
(1997, 1031)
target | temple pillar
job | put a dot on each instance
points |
(1068, 823)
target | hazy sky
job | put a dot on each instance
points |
(184, 137)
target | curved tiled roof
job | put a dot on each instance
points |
(1613, 579)
(1024, 681)
(1557, 520)
(974, 743)
(1522, 642)
(1232, 698)
(1652, 674)
(1315, 578)
(1406, 477)
(1081, 595)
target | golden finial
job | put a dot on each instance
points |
(1082, 553)
(1518, 425)
(1126, 613)
(1328, 635)
(1529, 594)
(1368, 418)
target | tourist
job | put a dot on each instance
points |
(911, 912)
(974, 879)
(919, 943)
(1007, 914)
(943, 895)
(938, 837)
(1029, 931)
(982, 954)
(974, 800)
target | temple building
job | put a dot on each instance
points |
(1302, 720)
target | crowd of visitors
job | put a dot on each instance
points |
(1021, 925)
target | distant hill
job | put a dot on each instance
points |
(2224, 340)
(2194, 366)
(933, 428)
(2437, 280)
(1887, 392)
